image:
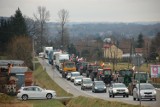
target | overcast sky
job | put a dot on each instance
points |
(89, 10)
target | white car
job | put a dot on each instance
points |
(68, 76)
(78, 80)
(118, 89)
(35, 92)
(147, 91)
(73, 75)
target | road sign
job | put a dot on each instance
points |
(137, 60)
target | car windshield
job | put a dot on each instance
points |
(119, 86)
(69, 74)
(99, 83)
(78, 78)
(87, 81)
(146, 87)
(70, 65)
(143, 76)
(75, 74)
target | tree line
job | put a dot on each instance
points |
(18, 34)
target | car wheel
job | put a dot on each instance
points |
(134, 99)
(110, 95)
(155, 99)
(138, 99)
(24, 97)
(113, 95)
(104, 91)
(123, 95)
(150, 99)
(49, 96)
(127, 95)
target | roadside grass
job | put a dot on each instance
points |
(11, 101)
(46, 103)
(42, 79)
(3, 57)
(95, 102)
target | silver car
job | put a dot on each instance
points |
(73, 75)
(86, 84)
(147, 91)
(78, 80)
(118, 89)
(68, 77)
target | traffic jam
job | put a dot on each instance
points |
(98, 78)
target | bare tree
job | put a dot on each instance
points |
(63, 19)
(41, 17)
(21, 48)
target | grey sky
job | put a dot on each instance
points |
(89, 10)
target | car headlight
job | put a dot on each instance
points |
(141, 93)
(105, 87)
(126, 90)
(96, 88)
(114, 90)
(154, 92)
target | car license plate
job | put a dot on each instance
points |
(148, 96)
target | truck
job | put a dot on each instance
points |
(59, 59)
(46, 51)
(67, 67)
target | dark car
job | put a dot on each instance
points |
(98, 86)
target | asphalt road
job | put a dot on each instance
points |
(76, 90)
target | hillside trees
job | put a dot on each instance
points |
(140, 41)
(155, 47)
(63, 31)
(10, 27)
(41, 17)
(20, 47)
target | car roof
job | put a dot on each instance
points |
(74, 72)
(79, 77)
(144, 84)
(118, 83)
(86, 79)
(98, 82)
(29, 86)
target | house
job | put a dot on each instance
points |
(111, 51)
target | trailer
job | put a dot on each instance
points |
(46, 51)
(59, 59)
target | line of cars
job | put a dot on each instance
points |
(147, 91)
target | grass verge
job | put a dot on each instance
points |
(95, 102)
(42, 79)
